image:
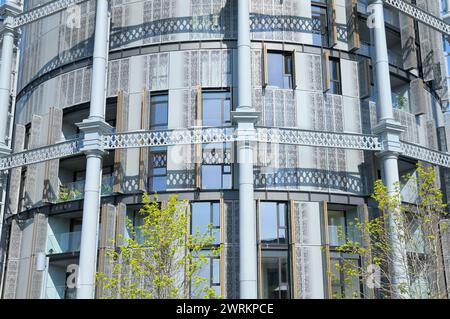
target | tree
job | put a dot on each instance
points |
(419, 233)
(161, 258)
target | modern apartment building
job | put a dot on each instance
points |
(272, 117)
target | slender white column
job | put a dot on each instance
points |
(100, 62)
(245, 117)
(247, 222)
(244, 56)
(5, 83)
(390, 131)
(89, 233)
(93, 129)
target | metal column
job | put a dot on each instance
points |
(93, 128)
(390, 131)
(245, 117)
(8, 11)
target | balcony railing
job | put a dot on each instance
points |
(64, 243)
(75, 190)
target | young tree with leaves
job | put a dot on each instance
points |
(162, 258)
(419, 233)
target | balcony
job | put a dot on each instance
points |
(63, 243)
(75, 190)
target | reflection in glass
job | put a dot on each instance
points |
(272, 219)
(274, 274)
(159, 112)
(216, 108)
(280, 69)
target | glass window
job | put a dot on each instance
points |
(344, 286)
(275, 274)
(272, 219)
(342, 226)
(335, 76)
(216, 170)
(216, 108)
(319, 20)
(159, 111)
(280, 69)
(210, 271)
(158, 169)
(204, 214)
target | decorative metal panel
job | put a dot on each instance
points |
(15, 175)
(316, 138)
(425, 154)
(44, 11)
(420, 15)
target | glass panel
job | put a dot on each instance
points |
(159, 183)
(63, 242)
(268, 222)
(270, 280)
(275, 69)
(336, 222)
(216, 271)
(352, 229)
(275, 274)
(215, 108)
(203, 272)
(282, 214)
(216, 214)
(211, 176)
(201, 216)
(158, 112)
(352, 284)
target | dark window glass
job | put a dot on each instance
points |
(159, 112)
(27, 137)
(22, 199)
(335, 77)
(275, 274)
(280, 69)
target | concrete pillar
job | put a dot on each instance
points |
(93, 128)
(390, 131)
(245, 117)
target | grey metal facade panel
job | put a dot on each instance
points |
(39, 247)
(15, 175)
(12, 265)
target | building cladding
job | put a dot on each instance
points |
(173, 65)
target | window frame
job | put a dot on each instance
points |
(214, 228)
(291, 75)
(284, 247)
(151, 175)
(228, 97)
(156, 94)
(335, 84)
(338, 258)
